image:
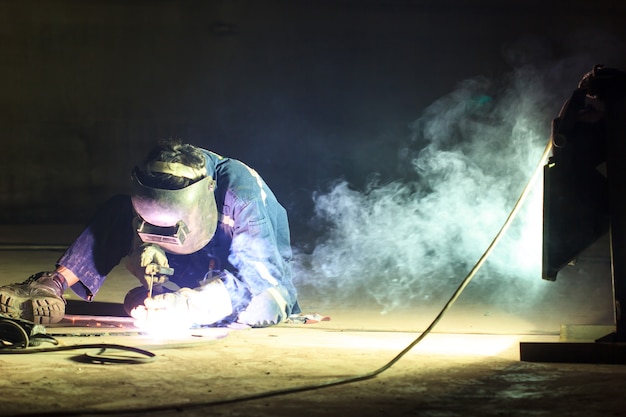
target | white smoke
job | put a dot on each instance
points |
(413, 240)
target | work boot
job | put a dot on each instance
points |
(38, 299)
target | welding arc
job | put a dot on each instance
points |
(361, 377)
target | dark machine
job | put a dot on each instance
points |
(585, 182)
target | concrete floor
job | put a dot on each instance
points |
(469, 366)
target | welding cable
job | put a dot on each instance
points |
(143, 356)
(16, 335)
(347, 380)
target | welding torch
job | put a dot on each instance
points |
(153, 270)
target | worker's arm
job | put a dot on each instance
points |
(261, 256)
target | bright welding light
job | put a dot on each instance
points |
(161, 325)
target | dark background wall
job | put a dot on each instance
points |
(304, 91)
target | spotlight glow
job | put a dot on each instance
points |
(446, 344)
(466, 344)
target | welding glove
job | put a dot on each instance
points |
(185, 308)
(265, 309)
(144, 255)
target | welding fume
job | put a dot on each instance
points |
(401, 242)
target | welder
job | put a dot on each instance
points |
(204, 235)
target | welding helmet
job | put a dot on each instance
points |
(181, 221)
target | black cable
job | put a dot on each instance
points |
(20, 337)
(145, 355)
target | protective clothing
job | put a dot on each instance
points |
(147, 254)
(180, 221)
(265, 309)
(39, 299)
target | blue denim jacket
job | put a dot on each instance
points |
(252, 239)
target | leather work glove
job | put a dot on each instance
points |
(266, 309)
(184, 308)
(144, 262)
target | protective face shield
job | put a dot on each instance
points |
(180, 221)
